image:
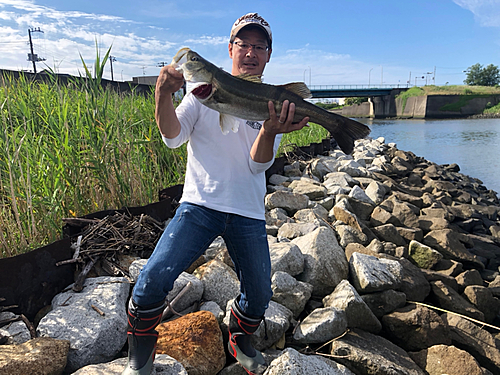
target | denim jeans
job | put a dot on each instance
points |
(186, 238)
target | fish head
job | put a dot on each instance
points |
(197, 72)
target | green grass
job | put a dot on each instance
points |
(303, 137)
(69, 150)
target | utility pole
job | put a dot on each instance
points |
(31, 56)
(111, 60)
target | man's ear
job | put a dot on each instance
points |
(269, 55)
(230, 49)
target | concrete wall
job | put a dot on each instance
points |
(470, 105)
(357, 110)
(415, 107)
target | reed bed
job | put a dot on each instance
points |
(69, 150)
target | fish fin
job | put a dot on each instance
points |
(228, 122)
(250, 77)
(347, 132)
(299, 88)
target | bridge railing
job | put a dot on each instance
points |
(357, 87)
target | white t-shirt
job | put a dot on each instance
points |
(220, 173)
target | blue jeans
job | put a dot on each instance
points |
(186, 238)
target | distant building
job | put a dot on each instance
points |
(145, 80)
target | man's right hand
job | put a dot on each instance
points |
(169, 81)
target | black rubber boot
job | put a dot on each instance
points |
(241, 327)
(142, 337)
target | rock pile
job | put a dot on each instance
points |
(382, 263)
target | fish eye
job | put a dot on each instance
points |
(194, 58)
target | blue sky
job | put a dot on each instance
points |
(321, 42)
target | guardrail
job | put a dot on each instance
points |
(355, 87)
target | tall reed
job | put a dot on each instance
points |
(69, 150)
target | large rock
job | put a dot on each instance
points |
(99, 313)
(358, 314)
(415, 327)
(290, 202)
(448, 299)
(371, 274)
(320, 326)
(413, 283)
(193, 294)
(220, 282)
(423, 256)
(195, 340)
(382, 303)
(286, 257)
(446, 242)
(163, 365)
(366, 353)
(325, 264)
(475, 340)
(310, 188)
(444, 359)
(483, 299)
(16, 331)
(42, 355)
(291, 362)
(290, 293)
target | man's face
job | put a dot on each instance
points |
(249, 60)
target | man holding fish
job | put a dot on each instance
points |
(225, 182)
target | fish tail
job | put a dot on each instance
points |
(347, 132)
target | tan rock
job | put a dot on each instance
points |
(195, 340)
(443, 359)
(39, 356)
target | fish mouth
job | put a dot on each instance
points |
(202, 91)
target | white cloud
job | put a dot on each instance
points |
(208, 40)
(486, 12)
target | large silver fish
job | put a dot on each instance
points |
(245, 97)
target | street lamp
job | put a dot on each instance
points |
(417, 78)
(369, 73)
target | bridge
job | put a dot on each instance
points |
(343, 91)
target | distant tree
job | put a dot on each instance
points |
(479, 76)
(354, 100)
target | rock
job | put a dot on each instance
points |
(322, 325)
(389, 233)
(359, 194)
(343, 212)
(325, 264)
(291, 362)
(290, 202)
(309, 188)
(376, 191)
(163, 365)
(467, 278)
(415, 327)
(277, 179)
(405, 213)
(410, 234)
(413, 282)
(220, 282)
(358, 314)
(290, 293)
(382, 303)
(423, 256)
(195, 340)
(448, 299)
(448, 267)
(475, 340)
(294, 230)
(348, 235)
(16, 332)
(103, 336)
(135, 268)
(42, 355)
(193, 295)
(445, 241)
(215, 309)
(286, 257)
(444, 359)
(483, 299)
(366, 353)
(370, 274)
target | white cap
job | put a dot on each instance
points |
(251, 19)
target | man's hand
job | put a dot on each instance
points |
(169, 81)
(284, 122)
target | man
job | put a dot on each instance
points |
(223, 196)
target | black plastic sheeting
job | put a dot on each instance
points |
(31, 280)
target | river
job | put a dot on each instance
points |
(473, 144)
